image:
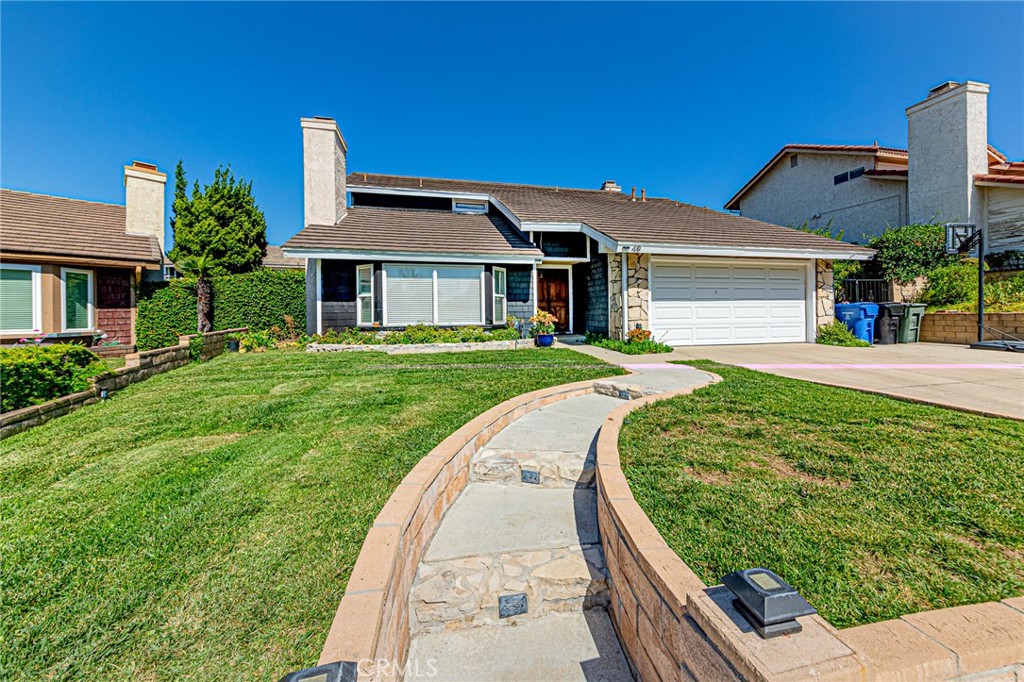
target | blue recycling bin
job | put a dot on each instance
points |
(859, 318)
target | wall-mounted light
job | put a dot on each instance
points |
(767, 601)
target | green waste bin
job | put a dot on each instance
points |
(910, 323)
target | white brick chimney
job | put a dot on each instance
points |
(947, 136)
(323, 170)
(144, 201)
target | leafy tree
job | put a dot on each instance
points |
(220, 221)
(905, 253)
(201, 267)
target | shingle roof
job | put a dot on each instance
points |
(276, 259)
(655, 221)
(41, 224)
(383, 229)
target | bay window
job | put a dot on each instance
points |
(500, 295)
(433, 294)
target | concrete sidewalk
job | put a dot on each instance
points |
(982, 381)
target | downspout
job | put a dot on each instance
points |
(625, 295)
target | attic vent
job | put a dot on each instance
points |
(794, 161)
(610, 186)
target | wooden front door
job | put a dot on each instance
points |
(553, 295)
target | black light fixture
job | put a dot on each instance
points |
(339, 671)
(768, 603)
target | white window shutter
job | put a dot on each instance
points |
(459, 296)
(410, 294)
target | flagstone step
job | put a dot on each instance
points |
(549, 469)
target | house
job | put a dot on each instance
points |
(949, 173)
(67, 266)
(390, 251)
(276, 260)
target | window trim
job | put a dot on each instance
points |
(496, 319)
(434, 289)
(37, 297)
(360, 322)
(90, 305)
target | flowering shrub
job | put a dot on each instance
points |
(638, 335)
(638, 342)
(543, 323)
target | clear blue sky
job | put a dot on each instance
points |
(687, 100)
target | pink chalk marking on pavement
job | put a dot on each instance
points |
(883, 366)
(658, 365)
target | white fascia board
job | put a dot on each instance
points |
(739, 252)
(535, 226)
(444, 194)
(409, 256)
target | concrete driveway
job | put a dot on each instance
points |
(988, 382)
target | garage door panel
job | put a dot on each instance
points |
(697, 303)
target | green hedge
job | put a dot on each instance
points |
(36, 374)
(257, 300)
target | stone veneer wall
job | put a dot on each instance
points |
(138, 367)
(962, 328)
(638, 296)
(371, 626)
(825, 293)
(674, 627)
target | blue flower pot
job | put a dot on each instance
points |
(545, 340)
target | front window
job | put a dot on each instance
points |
(500, 292)
(19, 298)
(433, 294)
(78, 304)
(364, 294)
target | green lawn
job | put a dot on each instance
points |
(202, 525)
(870, 506)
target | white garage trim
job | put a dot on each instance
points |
(785, 304)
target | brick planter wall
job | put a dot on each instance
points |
(138, 367)
(962, 328)
(371, 626)
(674, 627)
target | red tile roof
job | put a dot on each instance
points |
(40, 224)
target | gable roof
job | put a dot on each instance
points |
(616, 215)
(888, 154)
(415, 231)
(44, 225)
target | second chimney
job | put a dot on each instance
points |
(323, 170)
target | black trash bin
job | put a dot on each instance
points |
(887, 326)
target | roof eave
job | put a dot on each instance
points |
(662, 249)
(530, 257)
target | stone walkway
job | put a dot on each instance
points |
(526, 525)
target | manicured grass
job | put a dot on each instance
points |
(871, 507)
(202, 525)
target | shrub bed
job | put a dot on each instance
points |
(838, 334)
(417, 333)
(35, 374)
(261, 299)
(638, 342)
(955, 287)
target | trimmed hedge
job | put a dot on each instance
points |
(257, 300)
(36, 374)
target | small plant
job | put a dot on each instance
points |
(195, 348)
(638, 335)
(256, 342)
(543, 323)
(838, 334)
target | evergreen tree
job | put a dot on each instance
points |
(220, 221)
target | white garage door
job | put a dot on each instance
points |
(701, 303)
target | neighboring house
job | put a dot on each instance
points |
(276, 260)
(393, 251)
(67, 266)
(949, 174)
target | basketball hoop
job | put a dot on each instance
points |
(960, 237)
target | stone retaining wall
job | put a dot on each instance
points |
(138, 367)
(962, 328)
(371, 626)
(404, 348)
(674, 627)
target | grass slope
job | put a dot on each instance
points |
(870, 506)
(207, 520)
